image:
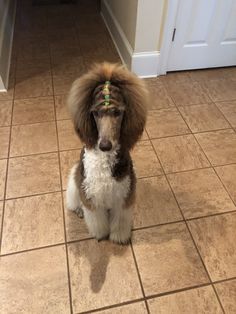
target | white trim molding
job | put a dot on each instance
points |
(144, 64)
(172, 9)
(6, 41)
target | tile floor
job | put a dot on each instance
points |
(182, 258)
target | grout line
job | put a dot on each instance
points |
(112, 306)
(223, 114)
(61, 183)
(139, 276)
(31, 195)
(33, 249)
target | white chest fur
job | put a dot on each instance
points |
(99, 185)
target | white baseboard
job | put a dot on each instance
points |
(2, 87)
(144, 64)
(6, 35)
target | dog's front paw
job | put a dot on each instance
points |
(120, 236)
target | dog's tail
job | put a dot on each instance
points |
(132, 89)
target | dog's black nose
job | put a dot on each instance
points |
(105, 145)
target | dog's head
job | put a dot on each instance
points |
(108, 107)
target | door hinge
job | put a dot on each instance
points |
(173, 35)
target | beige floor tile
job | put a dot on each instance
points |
(109, 56)
(145, 161)
(33, 110)
(204, 117)
(200, 193)
(4, 141)
(33, 175)
(5, 111)
(31, 68)
(165, 122)
(33, 139)
(95, 268)
(62, 83)
(209, 74)
(73, 65)
(76, 228)
(187, 93)
(180, 153)
(216, 240)
(98, 44)
(35, 282)
(227, 294)
(27, 221)
(219, 146)
(167, 259)
(62, 111)
(159, 97)
(194, 301)
(67, 136)
(219, 90)
(229, 110)
(155, 203)
(3, 167)
(175, 77)
(68, 159)
(134, 308)
(228, 176)
(91, 24)
(36, 50)
(37, 86)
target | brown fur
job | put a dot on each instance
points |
(133, 92)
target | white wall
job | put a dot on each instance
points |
(125, 12)
(136, 27)
(149, 25)
(7, 21)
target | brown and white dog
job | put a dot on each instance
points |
(102, 183)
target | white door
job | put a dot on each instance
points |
(205, 35)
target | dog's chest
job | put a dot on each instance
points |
(99, 184)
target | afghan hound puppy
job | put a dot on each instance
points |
(108, 108)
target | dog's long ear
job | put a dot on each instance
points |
(135, 97)
(79, 102)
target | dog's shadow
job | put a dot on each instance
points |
(93, 256)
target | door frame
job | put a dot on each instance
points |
(169, 26)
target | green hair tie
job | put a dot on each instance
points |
(106, 93)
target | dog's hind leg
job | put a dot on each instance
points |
(72, 194)
(97, 223)
(120, 225)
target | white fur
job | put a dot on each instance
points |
(107, 195)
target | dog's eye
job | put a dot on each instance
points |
(116, 113)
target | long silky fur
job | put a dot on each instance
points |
(134, 93)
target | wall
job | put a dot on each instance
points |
(7, 21)
(125, 12)
(136, 27)
(149, 25)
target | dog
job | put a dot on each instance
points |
(108, 108)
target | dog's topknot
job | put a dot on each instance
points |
(133, 92)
